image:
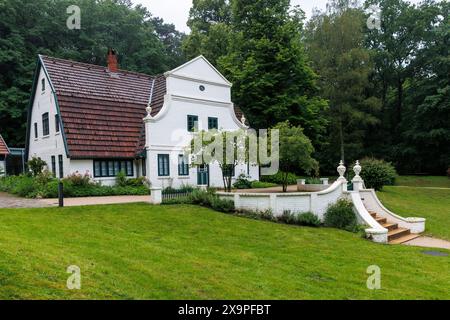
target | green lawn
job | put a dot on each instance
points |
(433, 204)
(185, 252)
(423, 181)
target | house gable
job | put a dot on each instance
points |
(199, 69)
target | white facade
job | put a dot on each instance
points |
(51, 145)
(195, 88)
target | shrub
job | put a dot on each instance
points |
(448, 172)
(242, 182)
(308, 219)
(79, 180)
(341, 215)
(377, 173)
(25, 187)
(278, 178)
(288, 217)
(221, 205)
(262, 185)
(36, 165)
(313, 181)
(121, 179)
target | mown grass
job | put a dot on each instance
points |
(139, 251)
(432, 204)
(423, 181)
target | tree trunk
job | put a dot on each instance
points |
(399, 101)
(341, 140)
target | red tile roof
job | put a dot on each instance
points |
(102, 112)
(3, 147)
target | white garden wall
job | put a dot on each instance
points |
(296, 202)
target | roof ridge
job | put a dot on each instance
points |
(104, 68)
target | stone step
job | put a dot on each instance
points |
(398, 233)
(381, 220)
(390, 226)
(404, 239)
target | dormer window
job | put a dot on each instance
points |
(43, 84)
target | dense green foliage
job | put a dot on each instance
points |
(141, 252)
(28, 28)
(206, 199)
(341, 215)
(388, 89)
(295, 152)
(302, 219)
(334, 43)
(45, 186)
(36, 165)
(357, 92)
(280, 177)
(377, 173)
(257, 45)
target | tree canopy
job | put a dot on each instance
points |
(28, 28)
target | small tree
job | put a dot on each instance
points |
(226, 148)
(295, 151)
(36, 165)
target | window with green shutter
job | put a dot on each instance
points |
(192, 123)
(163, 165)
(213, 123)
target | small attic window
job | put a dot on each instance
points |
(43, 84)
(202, 88)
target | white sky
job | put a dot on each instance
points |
(177, 11)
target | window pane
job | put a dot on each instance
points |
(104, 169)
(116, 167)
(97, 171)
(45, 129)
(213, 123)
(111, 168)
(129, 168)
(192, 123)
(57, 123)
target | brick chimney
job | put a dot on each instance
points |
(113, 65)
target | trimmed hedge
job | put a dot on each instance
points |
(278, 178)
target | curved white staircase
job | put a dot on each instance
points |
(385, 226)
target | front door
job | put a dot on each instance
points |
(203, 175)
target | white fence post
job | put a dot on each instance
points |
(156, 195)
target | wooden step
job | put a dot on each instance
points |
(373, 214)
(381, 220)
(390, 226)
(404, 239)
(398, 233)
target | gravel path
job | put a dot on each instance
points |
(10, 201)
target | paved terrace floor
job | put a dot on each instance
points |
(10, 201)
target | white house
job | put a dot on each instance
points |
(88, 118)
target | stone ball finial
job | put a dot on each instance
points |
(341, 169)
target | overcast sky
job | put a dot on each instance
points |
(177, 11)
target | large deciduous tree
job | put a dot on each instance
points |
(29, 28)
(335, 43)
